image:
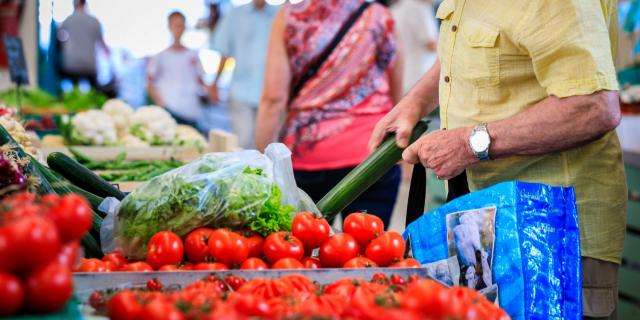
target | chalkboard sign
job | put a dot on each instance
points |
(15, 59)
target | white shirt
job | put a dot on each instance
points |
(176, 73)
(415, 27)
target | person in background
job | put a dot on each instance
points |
(210, 22)
(174, 77)
(243, 33)
(328, 122)
(417, 31)
(79, 34)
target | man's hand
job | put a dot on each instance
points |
(446, 152)
(400, 120)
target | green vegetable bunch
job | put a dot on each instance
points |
(208, 192)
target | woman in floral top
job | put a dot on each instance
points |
(328, 123)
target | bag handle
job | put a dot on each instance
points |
(319, 61)
(457, 186)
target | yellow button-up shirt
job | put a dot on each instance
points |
(500, 57)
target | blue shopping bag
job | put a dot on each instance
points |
(516, 242)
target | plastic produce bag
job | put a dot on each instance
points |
(525, 234)
(244, 189)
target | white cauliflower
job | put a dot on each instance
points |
(17, 131)
(154, 125)
(189, 136)
(93, 127)
(133, 142)
(120, 113)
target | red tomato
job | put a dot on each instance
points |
(6, 256)
(91, 265)
(337, 250)
(398, 280)
(136, 267)
(210, 266)
(311, 263)
(124, 306)
(196, 244)
(11, 294)
(255, 242)
(311, 229)
(164, 248)
(228, 247)
(254, 264)
(187, 266)
(406, 263)
(160, 310)
(34, 242)
(116, 257)
(96, 300)
(287, 263)
(169, 267)
(386, 249)
(111, 266)
(234, 282)
(282, 244)
(360, 262)
(363, 227)
(250, 305)
(72, 215)
(68, 255)
(48, 288)
(154, 285)
(427, 297)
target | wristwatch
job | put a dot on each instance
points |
(479, 140)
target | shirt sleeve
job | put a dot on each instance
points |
(222, 35)
(569, 44)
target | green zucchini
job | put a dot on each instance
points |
(366, 174)
(91, 247)
(81, 176)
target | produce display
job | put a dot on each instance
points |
(363, 244)
(297, 297)
(117, 124)
(120, 169)
(222, 212)
(39, 245)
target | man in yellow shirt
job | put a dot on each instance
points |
(527, 91)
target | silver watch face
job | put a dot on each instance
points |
(479, 141)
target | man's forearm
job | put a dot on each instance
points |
(424, 93)
(555, 124)
(223, 61)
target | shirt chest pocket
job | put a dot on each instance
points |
(480, 55)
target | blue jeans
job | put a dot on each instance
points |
(379, 199)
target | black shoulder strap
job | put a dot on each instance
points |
(418, 189)
(318, 61)
(417, 193)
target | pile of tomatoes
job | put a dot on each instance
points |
(364, 243)
(297, 297)
(39, 244)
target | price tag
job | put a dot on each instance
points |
(16, 60)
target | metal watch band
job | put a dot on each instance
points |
(484, 154)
